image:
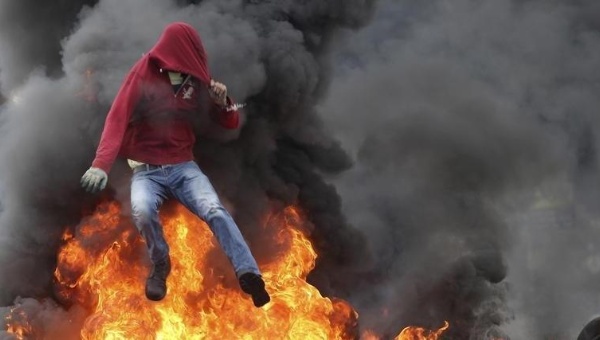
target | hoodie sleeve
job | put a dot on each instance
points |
(116, 122)
(228, 116)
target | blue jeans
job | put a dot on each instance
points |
(186, 183)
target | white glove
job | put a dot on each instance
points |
(94, 180)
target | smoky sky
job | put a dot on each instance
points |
(473, 128)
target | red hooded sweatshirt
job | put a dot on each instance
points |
(149, 121)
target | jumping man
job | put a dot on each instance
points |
(150, 124)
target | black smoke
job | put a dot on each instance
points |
(474, 130)
(31, 34)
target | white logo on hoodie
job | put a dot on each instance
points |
(187, 93)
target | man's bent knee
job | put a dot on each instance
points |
(215, 211)
(143, 211)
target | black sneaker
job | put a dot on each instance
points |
(254, 285)
(156, 284)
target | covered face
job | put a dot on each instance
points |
(180, 49)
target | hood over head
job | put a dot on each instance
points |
(180, 49)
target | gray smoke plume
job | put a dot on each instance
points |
(473, 125)
(60, 67)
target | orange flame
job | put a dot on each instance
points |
(369, 335)
(17, 323)
(418, 333)
(204, 301)
(409, 333)
(101, 267)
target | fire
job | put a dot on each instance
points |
(204, 299)
(102, 266)
(410, 333)
(369, 335)
(17, 323)
(417, 333)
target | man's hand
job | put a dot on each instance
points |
(94, 180)
(218, 92)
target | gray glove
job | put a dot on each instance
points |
(94, 180)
